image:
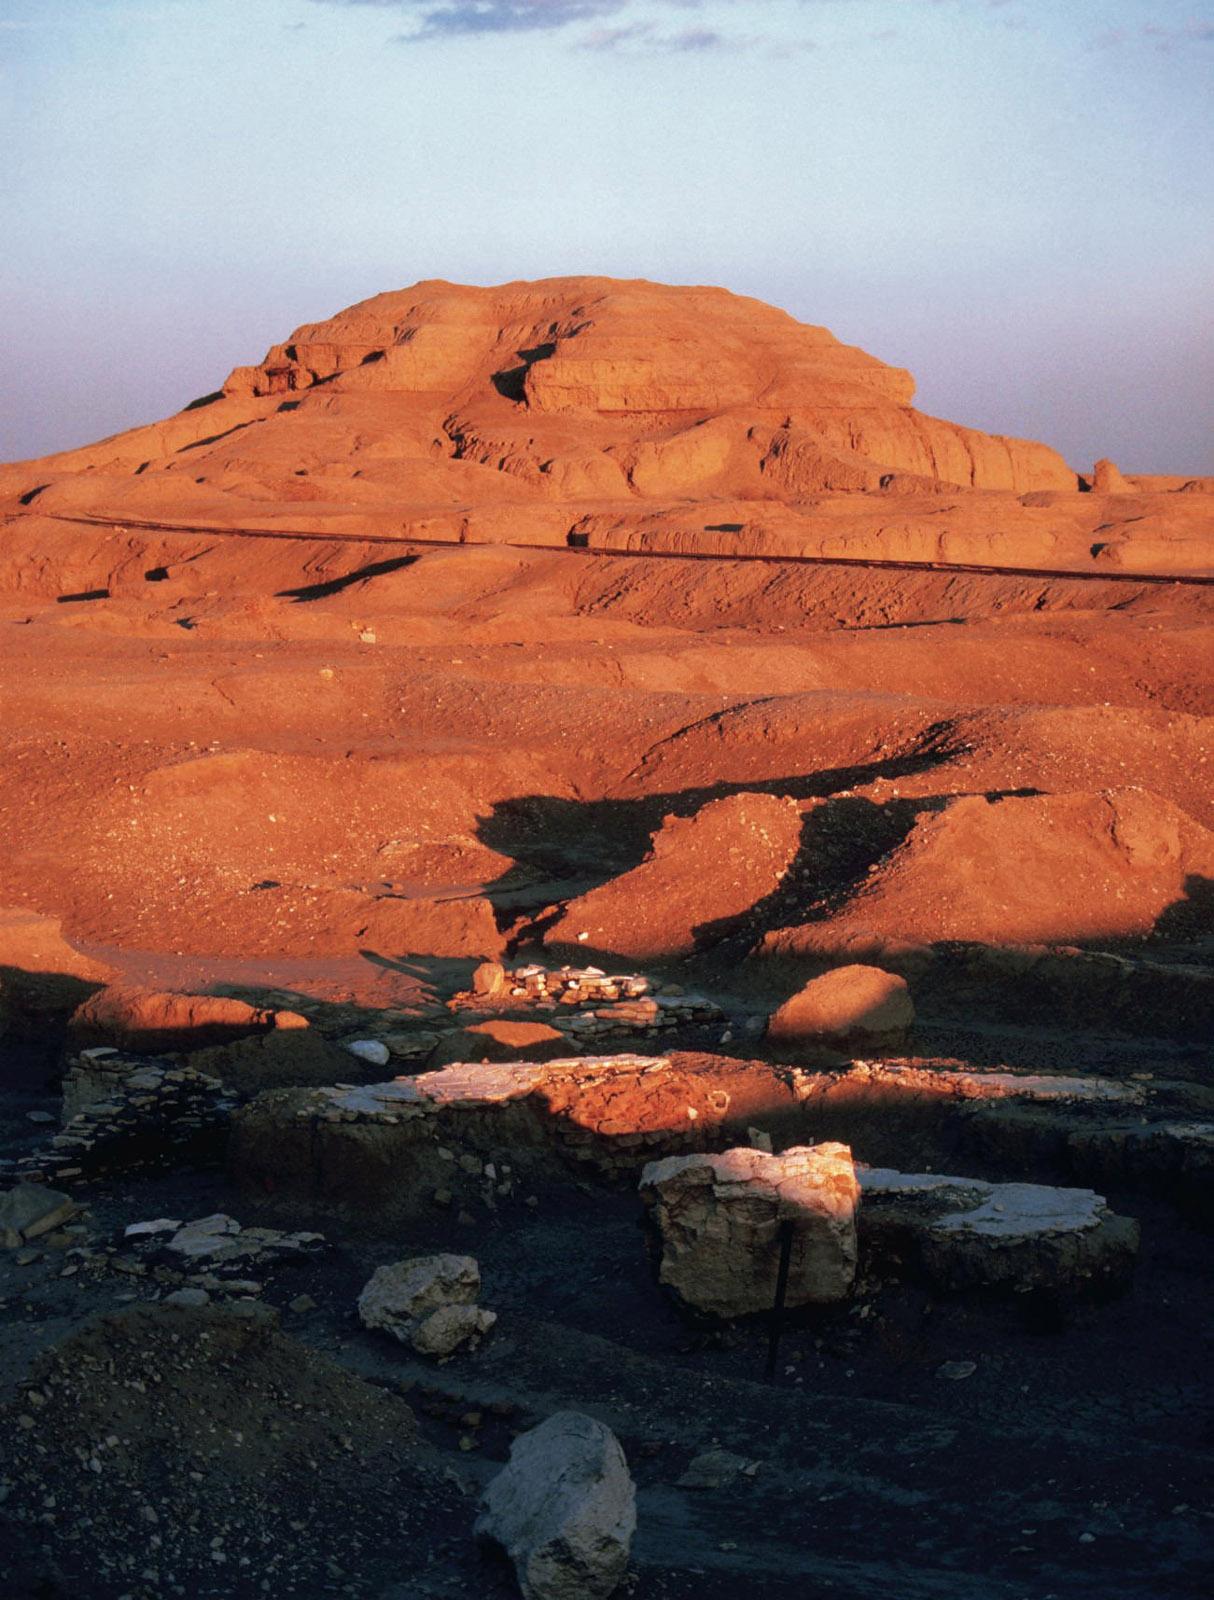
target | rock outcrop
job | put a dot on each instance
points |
(566, 389)
(145, 1020)
(718, 1222)
(964, 1233)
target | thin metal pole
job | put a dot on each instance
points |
(777, 1310)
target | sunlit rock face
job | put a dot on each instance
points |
(718, 1222)
(856, 1007)
(570, 390)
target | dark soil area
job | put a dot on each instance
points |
(232, 1451)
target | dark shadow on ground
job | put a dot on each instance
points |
(551, 837)
(321, 591)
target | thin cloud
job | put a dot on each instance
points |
(1165, 40)
(602, 26)
(443, 19)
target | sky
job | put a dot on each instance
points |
(1010, 197)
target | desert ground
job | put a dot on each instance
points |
(620, 714)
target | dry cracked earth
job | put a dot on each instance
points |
(482, 634)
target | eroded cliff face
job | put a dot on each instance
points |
(680, 388)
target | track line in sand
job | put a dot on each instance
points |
(1191, 580)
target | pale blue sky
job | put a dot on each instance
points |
(1010, 197)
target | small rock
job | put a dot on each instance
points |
(187, 1297)
(372, 1050)
(956, 1370)
(716, 1469)
(444, 1331)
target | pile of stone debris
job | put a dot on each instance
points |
(589, 1005)
(130, 1113)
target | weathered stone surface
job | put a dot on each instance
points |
(406, 1290)
(717, 1221)
(855, 1008)
(563, 1509)
(428, 1302)
(449, 1328)
(965, 1233)
(479, 1132)
(30, 1210)
(1108, 478)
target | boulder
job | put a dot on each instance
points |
(428, 1302)
(444, 1331)
(563, 1509)
(717, 1221)
(30, 1210)
(855, 1008)
(489, 979)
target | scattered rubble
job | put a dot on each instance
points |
(428, 1302)
(588, 1005)
(563, 1510)
(130, 1113)
(717, 1221)
(220, 1244)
